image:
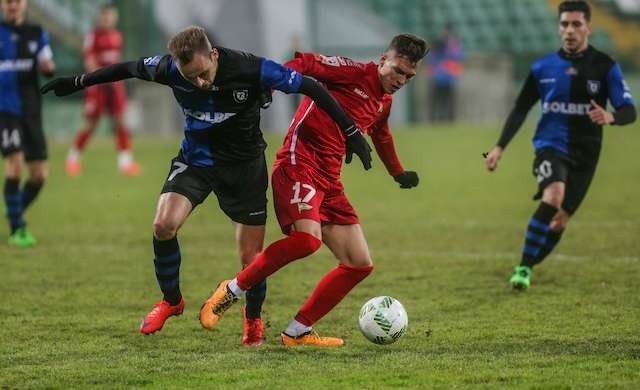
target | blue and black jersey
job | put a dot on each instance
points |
(21, 49)
(565, 84)
(222, 124)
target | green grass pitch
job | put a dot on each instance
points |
(71, 306)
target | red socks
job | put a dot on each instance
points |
(82, 138)
(295, 246)
(334, 286)
(123, 138)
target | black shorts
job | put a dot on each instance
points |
(551, 165)
(22, 134)
(241, 188)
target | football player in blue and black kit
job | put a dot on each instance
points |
(24, 52)
(573, 85)
(220, 92)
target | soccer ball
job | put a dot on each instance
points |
(383, 320)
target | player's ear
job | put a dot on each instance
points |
(214, 54)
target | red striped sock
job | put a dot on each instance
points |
(280, 253)
(333, 287)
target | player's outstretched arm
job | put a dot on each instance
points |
(64, 86)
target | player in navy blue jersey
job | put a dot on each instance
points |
(220, 92)
(24, 52)
(573, 85)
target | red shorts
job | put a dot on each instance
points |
(296, 195)
(113, 96)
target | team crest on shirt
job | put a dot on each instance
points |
(240, 95)
(304, 207)
(593, 87)
(33, 46)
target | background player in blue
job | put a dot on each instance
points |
(220, 92)
(24, 51)
(573, 85)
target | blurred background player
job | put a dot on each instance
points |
(222, 151)
(445, 68)
(24, 51)
(309, 197)
(574, 84)
(102, 47)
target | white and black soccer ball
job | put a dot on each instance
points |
(383, 320)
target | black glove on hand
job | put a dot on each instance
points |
(407, 179)
(356, 143)
(63, 86)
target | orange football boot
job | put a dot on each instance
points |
(131, 169)
(214, 307)
(312, 339)
(73, 168)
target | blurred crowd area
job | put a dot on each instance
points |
(481, 49)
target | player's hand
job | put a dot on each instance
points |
(491, 159)
(356, 143)
(63, 86)
(599, 115)
(407, 179)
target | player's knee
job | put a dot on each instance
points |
(164, 229)
(306, 243)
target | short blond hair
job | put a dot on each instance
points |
(187, 42)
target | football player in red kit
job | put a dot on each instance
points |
(309, 197)
(102, 47)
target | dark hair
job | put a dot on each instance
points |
(575, 5)
(410, 46)
(187, 42)
(108, 5)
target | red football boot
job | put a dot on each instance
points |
(253, 333)
(154, 321)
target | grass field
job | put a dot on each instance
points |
(72, 305)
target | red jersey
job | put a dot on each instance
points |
(314, 139)
(105, 46)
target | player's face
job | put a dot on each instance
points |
(13, 10)
(574, 31)
(201, 71)
(108, 18)
(395, 71)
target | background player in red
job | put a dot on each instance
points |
(309, 197)
(102, 47)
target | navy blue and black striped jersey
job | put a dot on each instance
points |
(565, 86)
(222, 124)
(21, 50)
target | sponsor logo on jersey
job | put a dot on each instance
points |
(571, 71)
(566, 108)
(210, 117)
(360, 93)
(19, 65)
(548, 81)
(240, 95)
(593, 87)
(152, 61)
(33, 46)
